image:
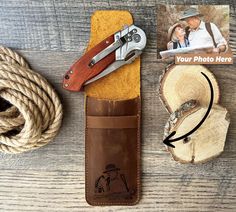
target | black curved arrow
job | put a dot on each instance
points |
(168, 141)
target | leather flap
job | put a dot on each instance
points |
(112, 122)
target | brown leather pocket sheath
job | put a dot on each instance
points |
(112, 146)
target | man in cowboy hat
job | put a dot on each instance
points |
(201, 33)
(111, 181)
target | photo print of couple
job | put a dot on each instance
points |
(192, 29)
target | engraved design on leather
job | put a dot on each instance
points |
(111, 179)
(112, 151)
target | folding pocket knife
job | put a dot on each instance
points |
(119, 49)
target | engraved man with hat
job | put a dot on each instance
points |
(111, 181)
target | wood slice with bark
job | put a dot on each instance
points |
(207, 141)
(181, 83)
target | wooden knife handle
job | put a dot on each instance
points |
(80, 71)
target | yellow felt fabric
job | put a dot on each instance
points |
(124, 83)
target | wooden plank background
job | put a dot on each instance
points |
(51, 35)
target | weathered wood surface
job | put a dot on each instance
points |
(51, 35)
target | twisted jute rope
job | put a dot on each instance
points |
(35, 114)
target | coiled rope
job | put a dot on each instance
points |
(35, 114)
